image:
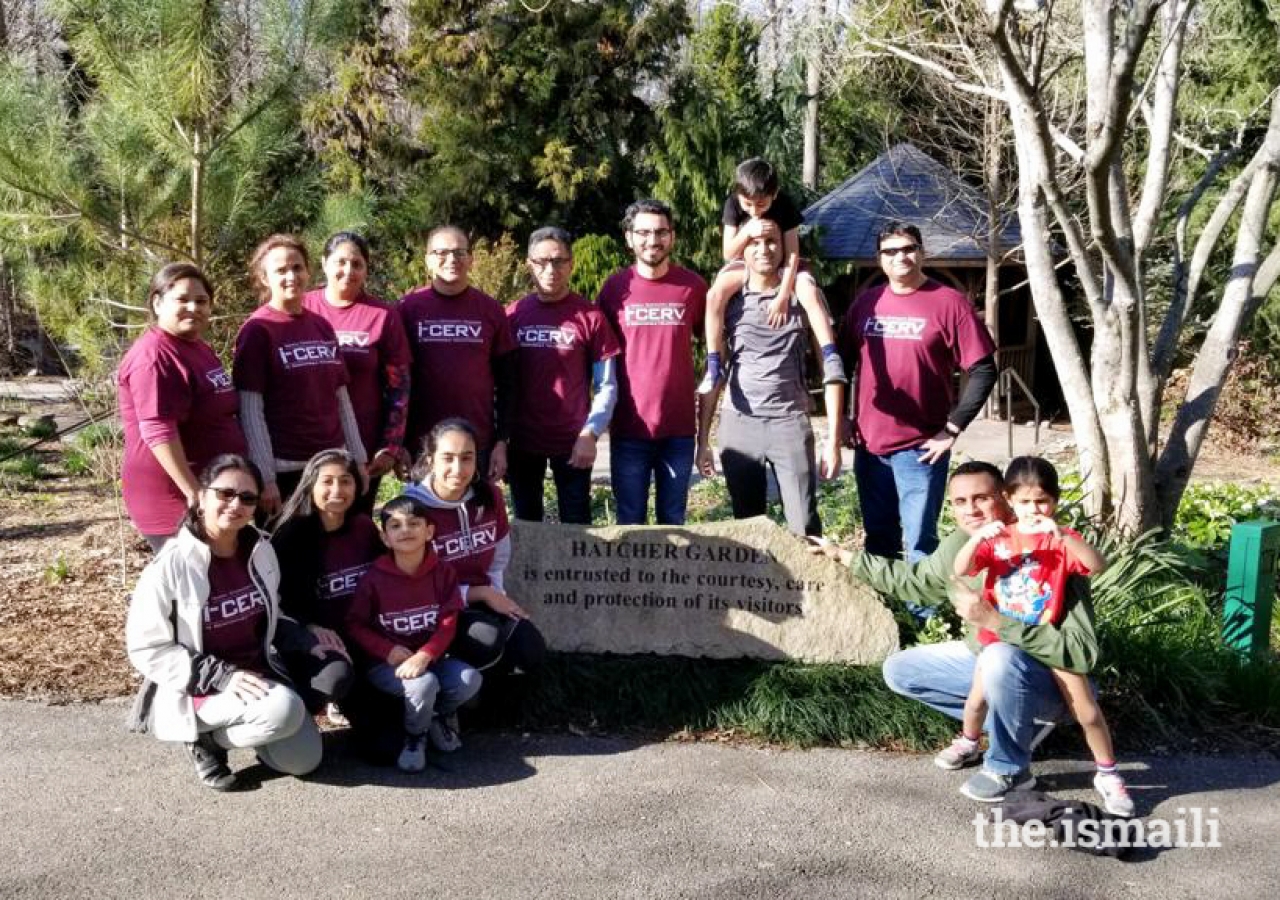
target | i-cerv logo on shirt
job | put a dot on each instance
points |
(653, 314)
(450, 331)
(546, 336)
(898, 328)
(229, 608)
(308, 353)
(355, 339)
(219, 378)
(410, 621)
(464, 543)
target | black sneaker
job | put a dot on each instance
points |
(211, 764)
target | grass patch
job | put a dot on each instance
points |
(782, 702)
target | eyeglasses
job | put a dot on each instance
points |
(558, 262)
(658, 234)
(904, 250)
(226, 495)
(457, 253)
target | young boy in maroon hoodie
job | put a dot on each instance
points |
(403, 618)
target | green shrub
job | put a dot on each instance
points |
(1209, 510)
(595, 258)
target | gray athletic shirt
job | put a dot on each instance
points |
(766, 365)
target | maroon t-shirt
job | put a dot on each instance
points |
(467, 537)
(557, 345)
(345, 556)
(235, 617)
(165, 377)
(454, 340)
(418, 611)
(370, 338)
(906, 349)
(293, 361)
(655, 321)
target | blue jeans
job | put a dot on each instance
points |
(447, 684)
(901, 498)
(1019, 690)
(633, 462)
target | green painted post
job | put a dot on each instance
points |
(1251, 586)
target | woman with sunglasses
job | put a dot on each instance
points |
(494, 634)
(325, 544)
(177, 404)
(294, 400)
(373, 347)
(205, 630)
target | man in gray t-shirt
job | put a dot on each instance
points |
(766, 421)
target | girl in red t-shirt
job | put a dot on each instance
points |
(1027, 565)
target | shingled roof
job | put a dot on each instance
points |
(908, 185)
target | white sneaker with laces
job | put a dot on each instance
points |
(959, 753)
(1115, 796)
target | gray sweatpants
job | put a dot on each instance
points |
(276, 725)
(749, 444)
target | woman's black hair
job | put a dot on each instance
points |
(339, 238)
(227, 462)
(1034, 472)
(300, 505)
(480, 487)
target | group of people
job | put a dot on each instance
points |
(241, 633)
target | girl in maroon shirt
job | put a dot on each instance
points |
(372, 343)
(177, 403)
(469, 517)
(325, 546)
(291, 377)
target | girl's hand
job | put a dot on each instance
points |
(327, 639)
(383, 462)
(991, 530)
(247, 687)
(414, 666)
(497, 601)
(1039, 524)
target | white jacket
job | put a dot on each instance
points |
(171, 595)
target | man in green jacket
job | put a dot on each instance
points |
(1022, 698)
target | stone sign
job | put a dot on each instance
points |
(726, 589)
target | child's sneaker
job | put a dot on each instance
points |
(986, 786)
(1115, 796)
(444, 733)
(413, 758)
(961, 752)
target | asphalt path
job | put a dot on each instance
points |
(87, 810)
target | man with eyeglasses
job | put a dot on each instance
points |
(765, 423)
(902, 343)
(566, 384)
(656, 308)
(462, 346)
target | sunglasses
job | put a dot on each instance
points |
(558, 262)
(904, 250)
(226, 495)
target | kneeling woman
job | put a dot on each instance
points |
(204, 628)
(472, 534)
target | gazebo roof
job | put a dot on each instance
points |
(908, 185)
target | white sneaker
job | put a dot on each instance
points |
(443, 733)
(335, 716)
(959, 753)
(413, 758)
(1115, 796)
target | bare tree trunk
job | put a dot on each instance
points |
(197, 191)
(1219, 349)
(812, 89)
(991, 145)
(4, 30)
